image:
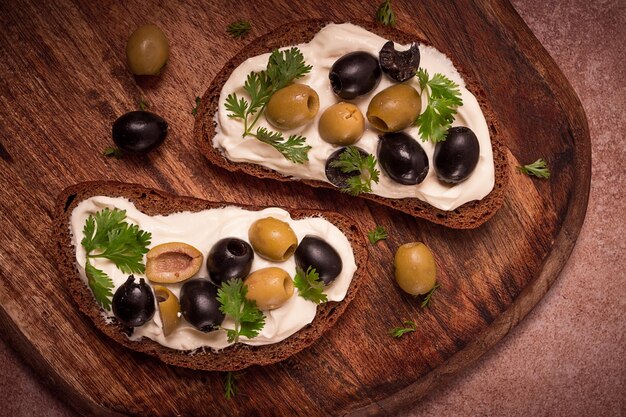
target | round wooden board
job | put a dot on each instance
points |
(65, 82)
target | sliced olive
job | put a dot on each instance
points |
(334, 174)
(354, 74)
(133, 303)
(292, 106)
(341, 124)
(315, 252)
(172, 262)
(199, 305)
(394, 108)
(169, 308)
(269, 287)
(402, 158)
(229, 258)
(399, 65)
(272, 239)
(415, 268)
(139, 132)
(147, 50)
(456, 157)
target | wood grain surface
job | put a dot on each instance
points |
(64, 82)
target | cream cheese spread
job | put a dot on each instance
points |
(202, 229)
(328, 45)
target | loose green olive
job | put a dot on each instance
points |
(342, 124)
(172, 262)
(272, 239)
(394, 108)
(415, 268)
(169, 308)
(269, 287)
(292, 106)
(147, 50)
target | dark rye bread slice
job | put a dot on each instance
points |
(154, 202)
(467, 216)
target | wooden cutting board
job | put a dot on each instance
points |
(64, 82)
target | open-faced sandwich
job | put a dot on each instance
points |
(205, 285)
(365, 109)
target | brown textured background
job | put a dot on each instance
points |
(568, 357)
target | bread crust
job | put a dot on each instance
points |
(152, 202)
(468, 216)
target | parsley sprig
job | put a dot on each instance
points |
(309, 285)
(427, 297)
(378, 233)
(409, 326)
(107, 235)
(282, 68)
(239, 28)
(385, 14)
(351, 161)
(194, 110)
(249, 320)
(539, 169)
(443, 97)
(230, 385)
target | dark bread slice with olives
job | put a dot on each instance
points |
(469, 215)
(153, 202)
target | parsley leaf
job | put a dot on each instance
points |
(249, 320)
(409, 326)
(379, 233)
(309, 285)
(364, 167)
(230, 386)
(194, 110)
(385, 14)
(444, 97)
(294, 148)
(112, 152)
(539, 169)
(426, 300)
(239, 28)
(107, 235)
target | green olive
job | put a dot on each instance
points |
(172, 262)
(269, 287)
(169, 308)
(272, 239)
(147, 50)
(342, 124)
(394, 108)
(415, 268)
(292, 106)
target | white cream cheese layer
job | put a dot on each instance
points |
(202, 229)
(328, 45)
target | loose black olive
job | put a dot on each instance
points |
(456, 158)
(354, 74)
(317, 253)
(399, 65)
(402, 158)
(139, 132)
(335, 175)
(133, 304)
(229, 258)
(199, 305)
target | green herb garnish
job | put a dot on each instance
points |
(239, 28)
(364, 167)
(443, 96)
(143, 104)
(112, 152)
(409, 326)
(107, 235)
(194, 110)
(230, 385)
(310, 286)
(539, 169)
(249, 320)
(426, 300)
(282, 68)
(385, 14)
(379, 233)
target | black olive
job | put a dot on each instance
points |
(317, 253)
(139, 132)
(402, 158)
(199, 305)
(229, 258)
(456, 158)
(335, 175)
(399, 65)
(133, 304)
(354, 74)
